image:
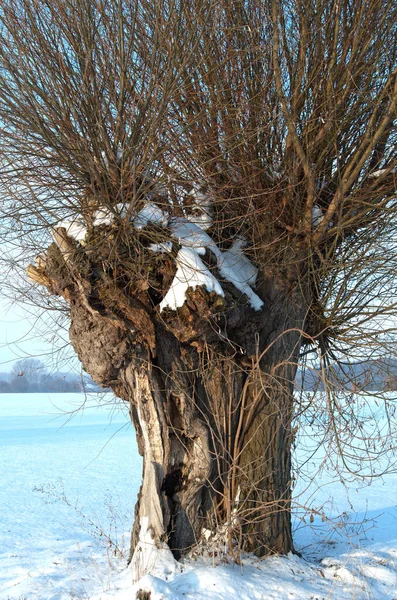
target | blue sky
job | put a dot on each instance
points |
(23, 335)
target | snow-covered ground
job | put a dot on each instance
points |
(68, 484)
(67, 494)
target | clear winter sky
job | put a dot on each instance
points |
(18, 336)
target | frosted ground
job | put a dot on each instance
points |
(68, 487)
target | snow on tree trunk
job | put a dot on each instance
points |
(210, 390)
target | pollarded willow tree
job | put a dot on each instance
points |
(209, 187)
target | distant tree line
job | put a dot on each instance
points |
(31, 375)
(374, 375)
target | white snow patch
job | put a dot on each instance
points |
(237, 260)
(161, 247)
(150, 213)
(191, 272)
(75, 229)
(233, 265)
(236, 267)
(191, 235)
(273, 578)
(105, 216)
(122, 209)
(150, 558)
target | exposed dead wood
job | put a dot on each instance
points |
(38, 276)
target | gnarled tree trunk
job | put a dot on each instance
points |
(210, 389)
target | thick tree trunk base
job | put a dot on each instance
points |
(215, 439)
(210, 390)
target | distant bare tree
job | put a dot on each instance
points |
(27, 375)
(241, 155)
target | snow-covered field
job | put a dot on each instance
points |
(68, 487)
(67, 482)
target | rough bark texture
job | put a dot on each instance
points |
(210, 389)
